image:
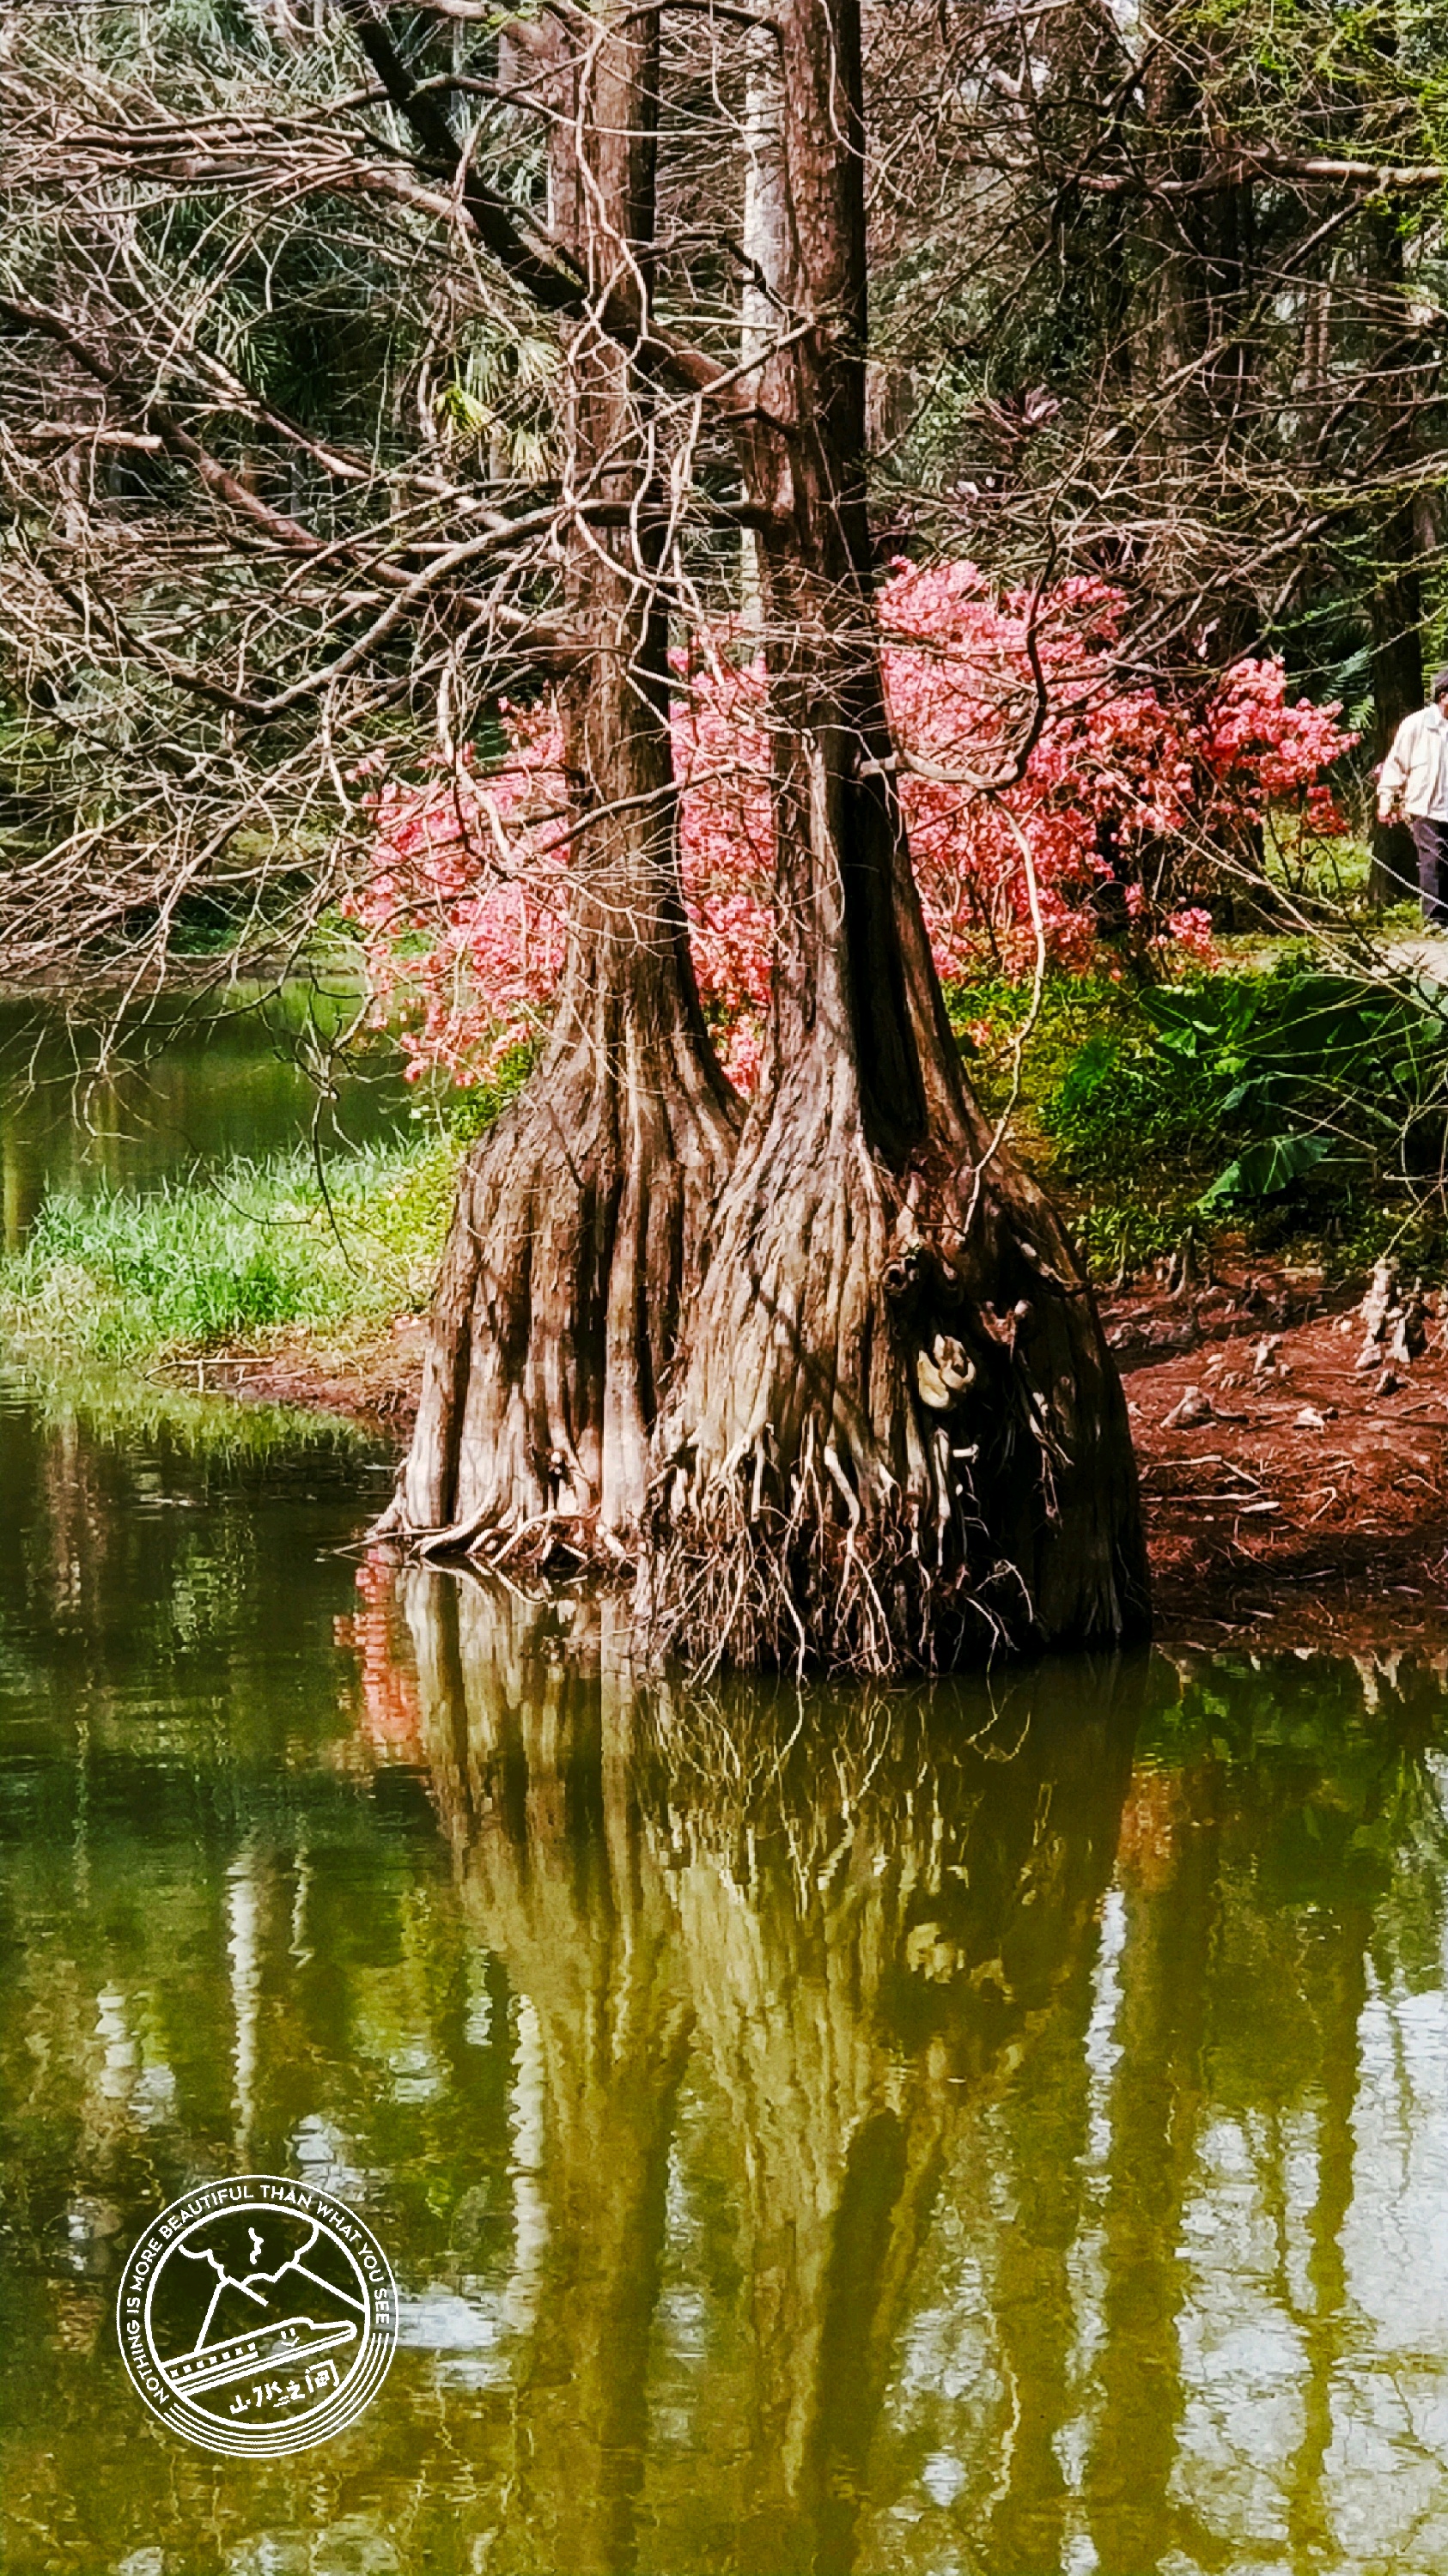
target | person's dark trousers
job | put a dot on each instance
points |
(1430, 840)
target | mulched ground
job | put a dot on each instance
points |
(1297, 1499)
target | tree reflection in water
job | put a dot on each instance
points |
(963, 2129)
(1033, 2208)
(853, 1921)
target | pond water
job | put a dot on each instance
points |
(947, 2131)
(180, 1088)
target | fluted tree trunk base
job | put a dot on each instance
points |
(899, 1440)
(581, 1220)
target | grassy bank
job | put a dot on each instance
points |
(233, 1258)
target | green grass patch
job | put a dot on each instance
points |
(253, 1250)
(234, 1256)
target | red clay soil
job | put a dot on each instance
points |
(1299, 1499)
(1265, 1525)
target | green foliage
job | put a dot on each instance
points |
(1115, 1088)
(498, 395)
(1296, 1103)
(1313, 1068)
(1305, 1068)
(1263, 1170)
(471, 1109)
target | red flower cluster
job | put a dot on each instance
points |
(463, 914)
(1119, 765)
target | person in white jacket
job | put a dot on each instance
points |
(1413, 781)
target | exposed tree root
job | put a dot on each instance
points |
(792, 1583)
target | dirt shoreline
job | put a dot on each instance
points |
(1306, 1504)
(1296, 1498)
(373, 1380)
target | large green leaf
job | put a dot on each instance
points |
(1264, 1169)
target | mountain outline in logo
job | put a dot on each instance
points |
(258, 2315)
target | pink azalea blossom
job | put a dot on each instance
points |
(463, 913)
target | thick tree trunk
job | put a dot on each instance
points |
(1395, 663)
(894, 1434)
(898, 1436)
(1395, 608)
(583, 1215)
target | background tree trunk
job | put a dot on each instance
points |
(1395, 663)
(582, 1215)
(898, 1435)
(763, 232)
(1395, 608)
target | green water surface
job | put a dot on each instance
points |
(133, 1099)
(944, 2131)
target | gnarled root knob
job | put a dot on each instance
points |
(944, 1373)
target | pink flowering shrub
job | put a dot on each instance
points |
(726, 845)
(1256, 751)
(1118, 767)
(464, 912)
